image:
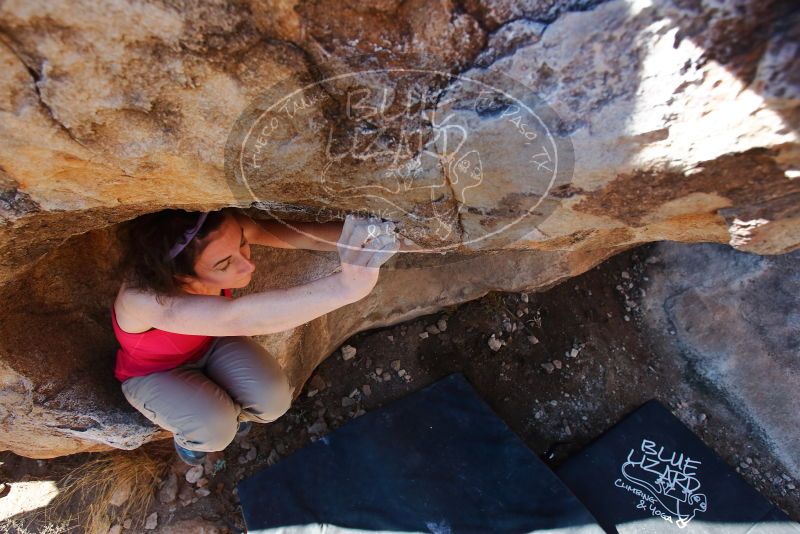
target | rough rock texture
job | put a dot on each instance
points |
(734, 316)
(678, 121)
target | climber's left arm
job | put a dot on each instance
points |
(310, 236)
(280, 235)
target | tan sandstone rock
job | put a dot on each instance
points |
(667, 121)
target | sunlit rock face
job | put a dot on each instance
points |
(519, 143)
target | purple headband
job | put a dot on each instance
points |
(187, 236)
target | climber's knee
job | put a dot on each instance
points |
(272, 399)
(214, 429)
(219, 433)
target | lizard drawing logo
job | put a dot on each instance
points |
(665, 482)
(460, 162)
(460, 168)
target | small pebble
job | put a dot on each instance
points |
(390, 338)
(495, 343)
(151, 522)
(625, 275)
(202, 492)
(120, 495)
(523, 297)
(441, 324)
(548, 367)
(533, 339)
(401, 372)
(251, 454)
(386, 376)
(348, 352)
(319, 427)
(395, 365)
(423, 335)
(194, 474)
(168, 491)
(557, 364)
(432, 329)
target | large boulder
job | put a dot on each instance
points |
(661, 120)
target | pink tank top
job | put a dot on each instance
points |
(156, 350)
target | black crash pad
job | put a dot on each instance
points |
(438, 460)
(650, 474)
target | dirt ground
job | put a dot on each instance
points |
(570, 363)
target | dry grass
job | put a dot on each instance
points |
(93, 495)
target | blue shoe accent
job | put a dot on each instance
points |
(188, 456)
(243, 428)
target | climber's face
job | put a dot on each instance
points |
(225, 262)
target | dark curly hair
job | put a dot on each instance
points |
(146, 241)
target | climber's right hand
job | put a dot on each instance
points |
(364, 245)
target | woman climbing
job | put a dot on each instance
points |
(186, 360)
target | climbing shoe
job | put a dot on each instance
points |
(188, 456)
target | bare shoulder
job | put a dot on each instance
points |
(191, 314)
(132, 306)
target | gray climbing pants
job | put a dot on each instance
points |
(202, 402)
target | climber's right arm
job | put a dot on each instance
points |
(361, 253)
(278, 310)
(260, 313)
